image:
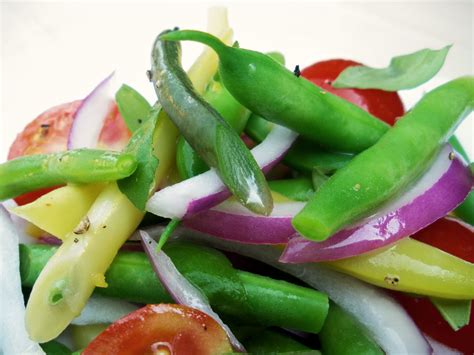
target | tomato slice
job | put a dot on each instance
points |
(49, 132)
(162, 329)
(382, 104)
(457, 238)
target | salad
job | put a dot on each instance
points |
(250, 209)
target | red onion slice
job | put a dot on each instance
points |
(231, 221)
(180, 289)
(385, 320)
(90, 116)
(14, 339)
(207, 190)
(441, 189)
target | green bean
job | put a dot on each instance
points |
(277, 94)
(341, 335)
(303, 154)
(388, 167)
(206, 131)
(81, 166)
(55, 348)
(133, 107)
(299, 189)
(266, 301)
(188, 162)
(268, 341)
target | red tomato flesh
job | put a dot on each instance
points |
(49, 132)
(169, 328)
(382, 104)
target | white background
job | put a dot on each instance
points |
(57, 52)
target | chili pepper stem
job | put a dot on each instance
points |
(198, 36)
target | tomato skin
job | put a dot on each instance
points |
(382, 104)
(49, 133)
(176, 328)
(457, 239)
(451, 236)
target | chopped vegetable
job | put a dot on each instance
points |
(388, 167)
(455, 312)
(90, 116)
(180, 289)
(404, 72)
(133, 107)
(79, 166)
(14, 339)
(443, 187)
(162, 328)
(292, 101)
(206, 190)
(206, 131)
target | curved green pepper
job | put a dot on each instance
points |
(270, 90)
(388, 167)
(207, 132)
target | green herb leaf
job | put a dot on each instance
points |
(133, 107)
(404, 72)
(137, 187)
(455, 312)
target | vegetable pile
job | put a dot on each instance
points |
(251, 208)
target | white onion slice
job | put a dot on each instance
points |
(180, 289)
(207, 190)
(89, 118)
(100, 310)
(385, 320)
(13, 336)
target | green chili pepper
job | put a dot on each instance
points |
(388, 167)
(341, 334)
(207, 132)
(268, 89)
(303, 155)
(300, 189)
(243, 296)
(188, 162)
(81, 166)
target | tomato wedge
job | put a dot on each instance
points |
(49, 132)
(162, 329)
(382, 104)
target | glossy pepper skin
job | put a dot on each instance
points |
(270, 90)
(394, 162)
(241, 295)
(413, 267)
(188, 161)
(206, 131)
(81, 166)
(343, 335)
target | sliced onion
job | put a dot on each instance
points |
(231, 221)
(385, 320)
(100, 310)
(90, 116)
(207, 190)
(180, 289)
(441, 189)
(14, 339)
(441, 349)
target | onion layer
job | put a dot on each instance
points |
(207, 190)
(89, 118)
(443, 187)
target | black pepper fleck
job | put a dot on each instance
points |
(297, 71)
